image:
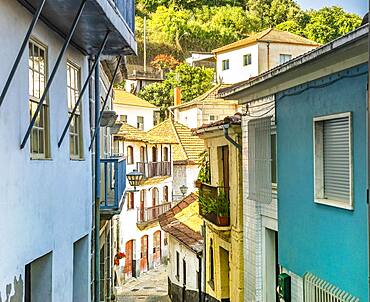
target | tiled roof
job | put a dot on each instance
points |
(269, 35)
(210, 96)
(122, 97)
(188, 147)
(184, 222)
(154, 181)
(130, 133)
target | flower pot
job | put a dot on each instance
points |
(223, 220)
(198, 184)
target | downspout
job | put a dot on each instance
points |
(268, 55)
(229, 138)
(200, 277)
(97, 182)
(204, 259)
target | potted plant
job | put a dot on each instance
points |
(222, 208)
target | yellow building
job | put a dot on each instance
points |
(221, 203)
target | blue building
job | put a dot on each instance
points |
(321, 121)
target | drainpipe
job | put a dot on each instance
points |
(229, 138)
(97, 182)
(268, 55)
(200, 277)
(204, 259)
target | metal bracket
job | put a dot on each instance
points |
(53, 73)
(35, 18)
(83, 89)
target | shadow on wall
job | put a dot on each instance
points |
(18, 291)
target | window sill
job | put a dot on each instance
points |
(334, 203)
(41, 158)
(77, 159)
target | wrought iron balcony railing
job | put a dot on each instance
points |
(150, 214)
(214, 204)
(113, 185)
(153, 169)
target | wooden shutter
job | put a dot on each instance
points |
(259, 160)
(336, 159)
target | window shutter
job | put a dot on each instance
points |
(259, 160)
(336, 150)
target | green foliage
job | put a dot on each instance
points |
(193, 82)
(204, 174)
(210, 204)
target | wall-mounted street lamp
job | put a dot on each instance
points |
(183, 190)
(135, 178)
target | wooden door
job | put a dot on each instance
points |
(154, 154)
(165, 194)
(144, 254)
(129, 258)
(155, 197)
(142, 204)
(157, 247)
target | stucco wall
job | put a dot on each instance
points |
(133, 112)
(184, 175)
(329, 242)
(45, 205)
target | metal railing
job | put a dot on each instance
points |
(113, 183)
(318, 290)
(126, 8)
(138, 71)
(153, 169)
(152, 213)
(214, 204)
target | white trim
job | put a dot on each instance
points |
(318, 163)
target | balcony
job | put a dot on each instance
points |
(214, 204)
(153, 169)
(150, 214)
(113, 186)
(137, 72)
(97, 17)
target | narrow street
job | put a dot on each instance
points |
(150, 287)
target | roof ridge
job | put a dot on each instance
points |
(172, 122)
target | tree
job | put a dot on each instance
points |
(193, 82)
(330, 23)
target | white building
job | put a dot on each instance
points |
(134, 110)
(185, 249)
(187, 152)
(140, 235)
(47, 199)
(241, 60)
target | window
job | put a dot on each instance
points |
(37, 71)
(140, 122)
(225, 64)
(285, 58)
(247, 59)
(75, 129)
(130, 200)
(333, 160)
(165, 154)
(165, 193)
(177, 265)
(130, 155)
(123, 118)
(142, 154)
(212, 118)
(260, 160)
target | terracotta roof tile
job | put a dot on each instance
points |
(269, 35)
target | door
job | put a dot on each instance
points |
(144, 254)
(225, 166)
(157, 248)
(155, 198)
(154, 154)
(129, 259)
(270, 265)
(142, 205)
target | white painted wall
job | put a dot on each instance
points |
(237, 71)
(188, 117)
(45, 205)
(133, 112)
(184, 175)
(192, 264)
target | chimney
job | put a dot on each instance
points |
(177, 96)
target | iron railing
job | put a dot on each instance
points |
(150, 214)
(153, 169)
(113, 183)
(126, 8)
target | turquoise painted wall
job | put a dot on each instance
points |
(330, 242)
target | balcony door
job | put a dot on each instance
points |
(154, 154)
(129, 259)
(142, 204)
(155, 202)
(144, 254)
(157, 248)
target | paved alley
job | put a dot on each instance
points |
(150, 287)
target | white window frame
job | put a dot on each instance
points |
(284, 55)
(249, 61)
(140, 124)
(318, 163)
(45, 110)
(224, 63)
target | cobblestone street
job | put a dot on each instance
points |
(149, 287)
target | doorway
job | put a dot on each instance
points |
(144, 254)
(270, 265)
(129, 259)
(157, 237)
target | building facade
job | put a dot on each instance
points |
(321, 168)
(47, 196)
(221, 205)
